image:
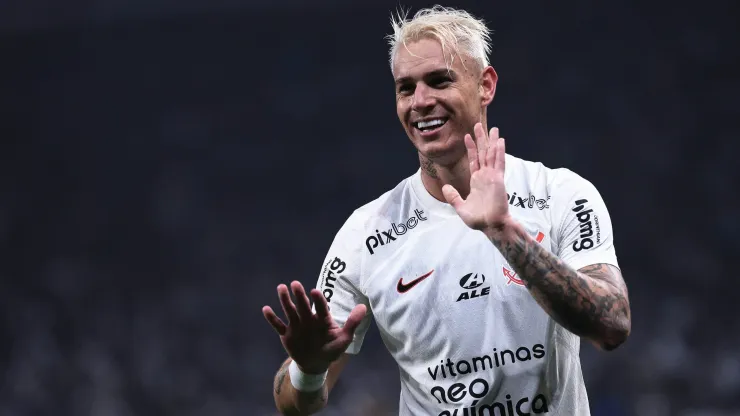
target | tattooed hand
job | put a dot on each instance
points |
(591, 303)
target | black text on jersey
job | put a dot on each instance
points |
(332, 266)
(386, 237)
(585, 238)
(529, 202)
(471, 283)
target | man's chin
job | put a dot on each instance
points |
(442, 152)
(439, 145)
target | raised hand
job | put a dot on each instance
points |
(486, 206)
(313, 340)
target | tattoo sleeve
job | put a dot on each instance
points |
(280, 379)
(293, 402)
(591, 302)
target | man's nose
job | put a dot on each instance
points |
(423, 98)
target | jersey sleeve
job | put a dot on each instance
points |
(340, 278)
(583, 227)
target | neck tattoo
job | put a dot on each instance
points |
(428, 167)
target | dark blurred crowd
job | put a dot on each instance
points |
(161, 175)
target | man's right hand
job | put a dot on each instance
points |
(313, 341)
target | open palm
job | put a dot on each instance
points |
(313, 340)
(486, 205)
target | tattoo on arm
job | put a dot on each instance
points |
(591, 302)
(302, 402)
(314, 397)
(280, 378)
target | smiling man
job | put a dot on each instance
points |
(483, 271)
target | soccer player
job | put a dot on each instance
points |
(482, 271)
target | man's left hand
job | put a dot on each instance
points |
(486, 207)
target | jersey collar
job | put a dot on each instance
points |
(429, 202)
(433, 204)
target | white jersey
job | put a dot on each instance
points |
(468, 337)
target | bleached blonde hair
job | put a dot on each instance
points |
(457, 31)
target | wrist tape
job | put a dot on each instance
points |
(305, 382)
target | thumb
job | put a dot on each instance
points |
(452, 196)
(354, 319)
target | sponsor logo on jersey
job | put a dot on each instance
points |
(512, 407)
(479, 388)
(510, 274)
(402, 287)
(471, 283)
(588, 224)
(383, 237)
(529, 202)
(332, 268)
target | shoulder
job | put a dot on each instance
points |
(385, 207)
(558, 181)
(378, 214)
(367, 230)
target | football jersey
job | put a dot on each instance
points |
(467, 335)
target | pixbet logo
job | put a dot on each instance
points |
(585, 238)
(471, 282)
(396, 230)
(330, 268)
(529, 202)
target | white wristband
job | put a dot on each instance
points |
(305, 382)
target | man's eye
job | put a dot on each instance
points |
(441, 82)
(405, 89)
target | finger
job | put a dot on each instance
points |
(472, 153)
(493, 135)
(492, 148)
(287, 304)
(354, 319)
(500, 163)
(301, 300)
(481, 142)
(274, 321)
(452, 196)
(320, 304)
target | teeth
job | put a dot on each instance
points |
(430, 123)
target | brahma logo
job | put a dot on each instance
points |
(586, 235)
(396, 230)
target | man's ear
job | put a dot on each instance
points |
(487, 87)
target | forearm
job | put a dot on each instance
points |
(586, 305)
(292, 402)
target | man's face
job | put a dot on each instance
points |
(437, 106)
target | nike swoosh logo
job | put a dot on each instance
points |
(405, 287)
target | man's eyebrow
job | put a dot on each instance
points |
(431, 74)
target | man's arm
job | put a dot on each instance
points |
(591, 302)
(292, 402)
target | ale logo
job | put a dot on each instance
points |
(471, 284)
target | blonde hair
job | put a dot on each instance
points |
(457, 31)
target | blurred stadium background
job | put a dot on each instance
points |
(165, 164)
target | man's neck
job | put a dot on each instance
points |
(435, 176)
